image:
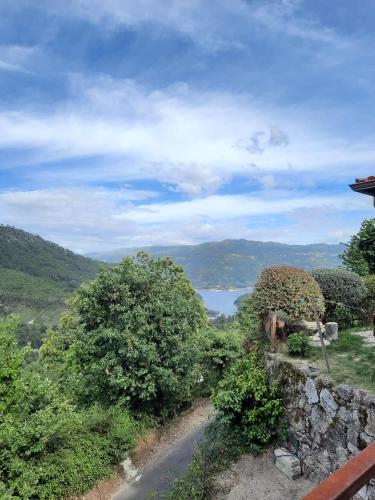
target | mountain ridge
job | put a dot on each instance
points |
(234, 263)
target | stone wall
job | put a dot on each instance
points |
(332, 423)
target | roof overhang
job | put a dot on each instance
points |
(365, 186)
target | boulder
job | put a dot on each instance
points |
(331, 331)
(308, 327)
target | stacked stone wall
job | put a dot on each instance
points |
(331, 423)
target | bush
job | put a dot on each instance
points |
(130, 336)
(298, 344)
(370, 299)
(248, 318)
(218, 349)
(288, 289)
(247, 404)
(48, 448)
(344, 294)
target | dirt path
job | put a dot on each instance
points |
(257, 478)
(160, 461)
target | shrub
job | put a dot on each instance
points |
(344, 293)
(288, 289)
(298, 344)
(248, 318)
(359, 255)
(246, 403)
(48, 448)
(370, 299)
(130, 336)
(218, 349)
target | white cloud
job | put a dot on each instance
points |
(87, 220)
(194, 141)
(17, 57)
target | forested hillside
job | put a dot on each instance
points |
(236, 263)
(36, 278)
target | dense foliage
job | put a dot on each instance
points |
(246, 403)
(298, 344)
(236, 263)
(359, 255)
(370, 299)
(218, 350)
(36, 279)
(248, 318)
(284, 288)
(130, 336)
(48, 448)
(344, 294)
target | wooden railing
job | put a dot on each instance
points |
(348, 480)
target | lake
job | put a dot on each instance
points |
(222, 300)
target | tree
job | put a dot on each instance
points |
(359, 255)
(344, 294)
(287, 289)
(130, 335)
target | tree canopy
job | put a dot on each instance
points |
(359, 255)
(131, 335)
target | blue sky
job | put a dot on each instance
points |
(128, 123)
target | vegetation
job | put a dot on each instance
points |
(36, 279)
(246, 403)
(248, 318)
(298, 344)
(218, 350)
(131, 336)
(359, 255)
(235, 263)
(287, 289)
(249, 412)
(218, 449)
(49, 448)
(370, 297)
(351, 360)
(344, 294)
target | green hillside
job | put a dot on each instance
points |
(236, 263)
(36, 278)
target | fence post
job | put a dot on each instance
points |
(321, 337)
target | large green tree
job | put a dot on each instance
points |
(130, 336)
(359, 255)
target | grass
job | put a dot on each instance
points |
(351, 360)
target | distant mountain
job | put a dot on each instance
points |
(37, 276)
(235, 263)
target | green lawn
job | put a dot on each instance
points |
(351, 360)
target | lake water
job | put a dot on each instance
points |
(222, 300)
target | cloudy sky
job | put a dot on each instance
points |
(128, 123)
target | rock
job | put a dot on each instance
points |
(366, 438)
(352, 436)
(308, 327)
(311, 392)
(287, 463)
(320, 420)
(345, 392)
(353, 449)
(370, 427)
(129, 470)
(315, 340)
(328, 403)
(331, 331)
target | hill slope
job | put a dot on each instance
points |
(36, 278)
(236, 263)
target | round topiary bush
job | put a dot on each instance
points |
(288, 289)
(344, 293)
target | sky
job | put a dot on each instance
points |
(129, 123)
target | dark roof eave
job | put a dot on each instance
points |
(364, 187)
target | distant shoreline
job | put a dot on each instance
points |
(226, 289)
